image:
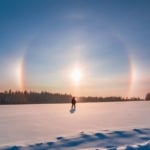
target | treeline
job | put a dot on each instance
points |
(9, 97)
(108, 99)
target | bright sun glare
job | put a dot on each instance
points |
(76, 76)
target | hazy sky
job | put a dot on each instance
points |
(42, 42)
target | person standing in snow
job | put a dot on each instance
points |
(73, 103)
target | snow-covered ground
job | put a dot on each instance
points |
(118, 125)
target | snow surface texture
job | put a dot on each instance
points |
(127, 140)
(92, 126)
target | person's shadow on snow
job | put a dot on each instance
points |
(72, 110)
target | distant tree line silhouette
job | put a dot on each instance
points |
(18, 97)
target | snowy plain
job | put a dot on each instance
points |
(93, 126)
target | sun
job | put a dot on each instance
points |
(76, 75)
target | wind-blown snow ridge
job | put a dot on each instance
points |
(136, 139)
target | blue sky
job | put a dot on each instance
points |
(43, 41)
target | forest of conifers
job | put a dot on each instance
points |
(18, 97)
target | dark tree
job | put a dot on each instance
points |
(147, 97)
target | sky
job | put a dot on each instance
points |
(79, 47)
